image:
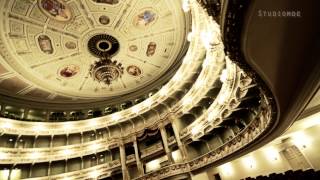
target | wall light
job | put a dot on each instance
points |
(249, 162)
(200, 83)
(148, 102)
(93, 122)
(67, 126)
(301, 140)
(222, 98)
(271, 154)
(212, 115)
(195, 130)
(116, 117)
(186, 5)
(34, 155)
(164, 91)
(153, 165)
(94, 147)
(224, 75)
(177, 76)
(176, 155)
(6, 125)
(67, 152)
(227, 169)
(3, 155)
(190, 36)
(187, 101)
(94, 174)
(135, 109)
(39, 127)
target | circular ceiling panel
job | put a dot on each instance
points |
(48, 47)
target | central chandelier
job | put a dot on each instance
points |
(105, 70)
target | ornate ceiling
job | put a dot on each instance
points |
(45, 54)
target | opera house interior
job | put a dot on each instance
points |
(159, 89)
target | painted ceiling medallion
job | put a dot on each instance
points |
(45, 44)
(105, 70)
(69, 71)
(144, 18)
(152, 46)
(134, 70)
(56, 9)
(133, 48)
(104, 20)
(71, 45)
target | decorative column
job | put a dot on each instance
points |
(165, 142)
(181, 146)
(25, 113)
(136, 152)
(3, 107)
(123, 160)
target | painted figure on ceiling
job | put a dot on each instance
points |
(145, 18)
(57, 9)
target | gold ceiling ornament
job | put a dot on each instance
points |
(106, 70)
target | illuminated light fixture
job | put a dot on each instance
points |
(94, 147)
(227, 169)
(136, 109)
(224, 75)
(312, 120)
(187, 101)
(67, 126)
(206, 39)
(176, 155)
(200, 83)
(164, 91)
(3, 155)
(4, 174)
(67, 178)
(177, 76)
(190, 36)
(148, 102)
(271, 154)
(153, 165)
(301, 140)
(206, 62)
(212, 115)
(195, 130)
(249, 162)
(93, 122)
(34, 155)
(105, 70)
(186, 60)
(67, 152)
(94, 174)
(209, 39)
(222, 98)
(39, 127)
(186, 5)
(116, 117)
(7, 125)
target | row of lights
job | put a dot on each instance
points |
(65, 152)
(300, 139)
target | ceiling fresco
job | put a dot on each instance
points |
(45, 54)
